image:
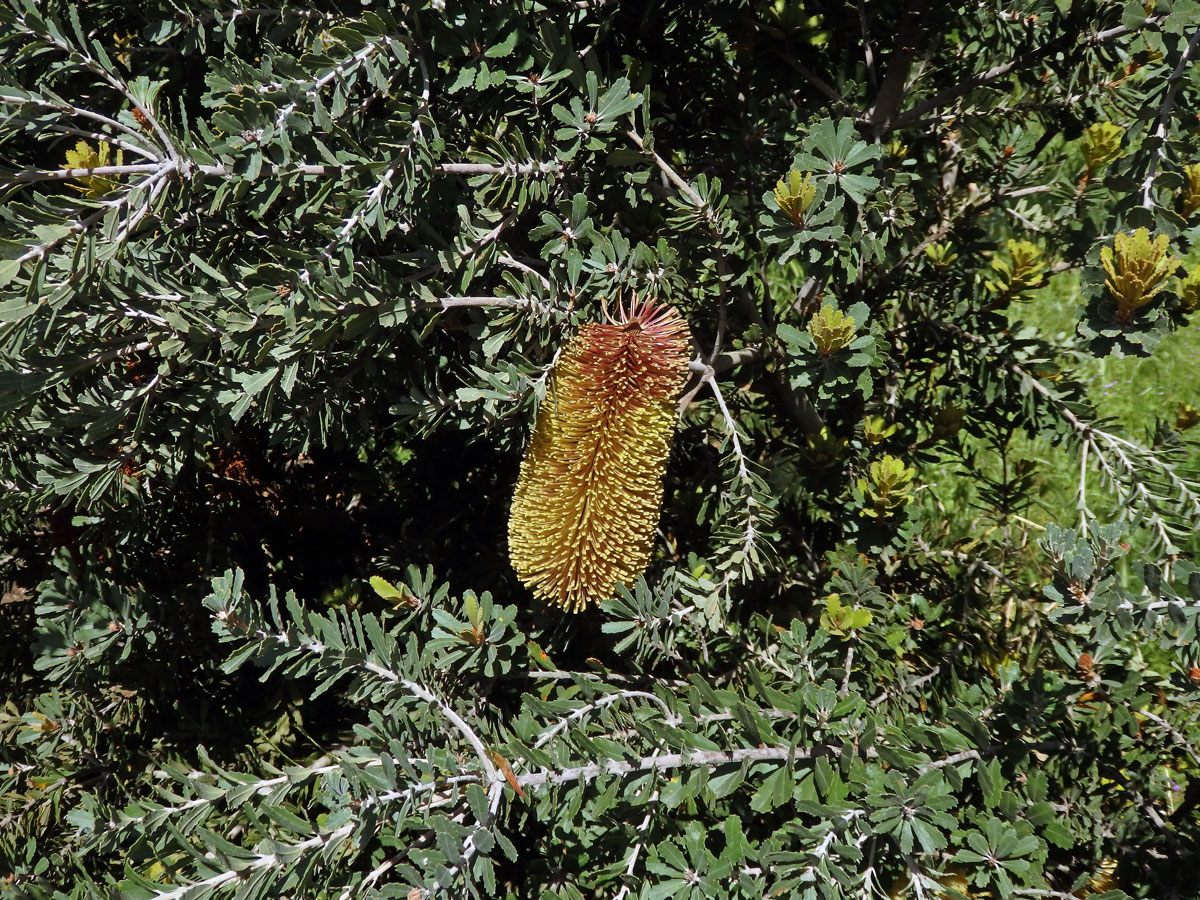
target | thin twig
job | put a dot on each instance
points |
(813, 78)
(74, 111)
(81, 225)
(878, 119)
(1173, 732)
(505, 260)
(603, 702)
(1164, 113)
(119, 85)
(448, 712)
(637, 845)
(672, 176)
(868, 53)
(106, 138)
(449, 302)
(339, 69)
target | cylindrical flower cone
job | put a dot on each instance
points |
(588, 496)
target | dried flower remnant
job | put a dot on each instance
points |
(588, 496)
(1137, 266)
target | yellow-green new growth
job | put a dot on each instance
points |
(887, 487)
(831, 330)
(838, 619)
(1186, 416)
(822, 450)
(876, 429)
(1023, 270)
(795, 193)
(1189, 198)
(85, 156)
(940, 255)
(1101, 145)
(1189, 291)
(1137, 266)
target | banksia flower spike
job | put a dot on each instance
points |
(588, 496)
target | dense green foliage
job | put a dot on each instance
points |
(280, 291)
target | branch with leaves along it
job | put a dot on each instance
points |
(912, 116)
(1164, 113)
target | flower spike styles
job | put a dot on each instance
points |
(588, 496)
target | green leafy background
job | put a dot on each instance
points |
(922, 615)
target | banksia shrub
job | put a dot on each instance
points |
(269, 345)
(588, 496)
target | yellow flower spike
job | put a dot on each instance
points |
(1137, 266)
(588, 496)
